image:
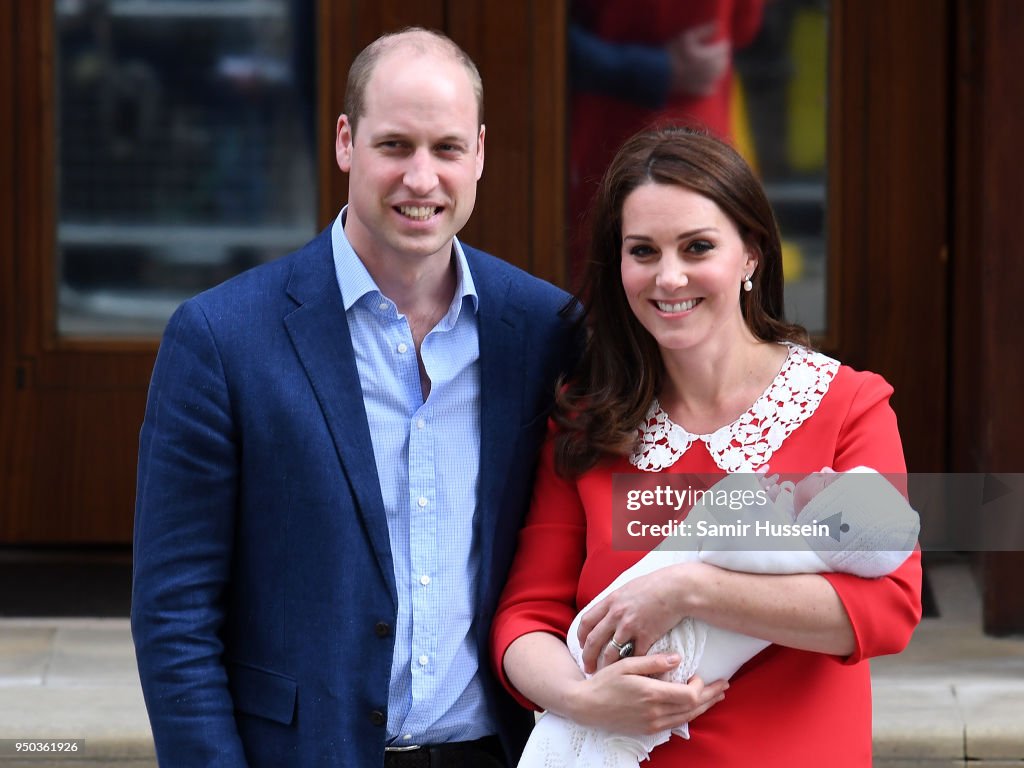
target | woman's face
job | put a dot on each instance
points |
(683, 264)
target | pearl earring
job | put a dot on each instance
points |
(747, 285)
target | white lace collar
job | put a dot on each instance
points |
(749, 442)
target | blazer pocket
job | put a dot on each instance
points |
(264, 694)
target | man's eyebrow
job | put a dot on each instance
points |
(394, 135)
(388, 136)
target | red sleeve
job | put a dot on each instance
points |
(883, 611)
(746, 22)
(540, 594)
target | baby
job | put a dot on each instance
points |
(871, 531)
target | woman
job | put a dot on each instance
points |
(690, 368)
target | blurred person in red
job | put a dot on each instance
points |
(634, 63)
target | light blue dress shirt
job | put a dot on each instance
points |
(428, 461)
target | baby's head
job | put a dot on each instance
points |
(796, 496)
(872, 527)
(811, 486)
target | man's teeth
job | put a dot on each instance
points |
(681, 306)
(418, 212)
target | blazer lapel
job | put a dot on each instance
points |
(319, 332)
(501, 394)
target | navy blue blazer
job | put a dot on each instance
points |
(264, 592)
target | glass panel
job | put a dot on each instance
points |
(752, 71)
(185, 151)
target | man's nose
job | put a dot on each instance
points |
(420, 175)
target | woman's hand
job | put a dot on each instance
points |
(627, 698)
(639, 612)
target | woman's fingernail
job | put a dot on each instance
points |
(673, 659)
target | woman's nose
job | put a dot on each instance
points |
(672, 274)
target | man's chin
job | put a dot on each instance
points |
(421, 247)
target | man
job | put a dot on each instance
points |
(337, 454)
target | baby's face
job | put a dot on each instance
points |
(811, 486)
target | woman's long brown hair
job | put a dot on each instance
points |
(620, 372)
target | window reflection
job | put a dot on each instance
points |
(185, 150)
(750, 71)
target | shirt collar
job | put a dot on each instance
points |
(355, 281)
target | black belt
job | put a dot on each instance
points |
(482, 753)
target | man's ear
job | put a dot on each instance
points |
(480, 153)
(343, 143)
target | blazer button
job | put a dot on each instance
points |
(377, 717)
(382, 629)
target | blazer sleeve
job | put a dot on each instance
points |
(883, 611)
(540, 594)
(184, 526)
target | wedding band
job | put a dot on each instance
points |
(625, 649)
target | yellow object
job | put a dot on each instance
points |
(742, 134)
(806, 94)
(792, 261)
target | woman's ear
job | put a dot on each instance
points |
(752, 262)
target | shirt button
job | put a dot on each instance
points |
(420, 423)
(407, 737)
(423, 661)
(382, 629)
(424, 580)
(422, 501)
(382, 306)
(402, 348)
(377, 717)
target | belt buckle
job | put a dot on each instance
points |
(407, 748)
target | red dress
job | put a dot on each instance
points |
(785, 707)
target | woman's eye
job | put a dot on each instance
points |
(641, 250)
(700, 246)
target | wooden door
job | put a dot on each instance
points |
(927, 155)
(890, 175)
(71, 406)
(986, 367)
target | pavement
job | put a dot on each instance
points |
(953, 698)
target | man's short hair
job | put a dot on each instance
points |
(418, 39)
